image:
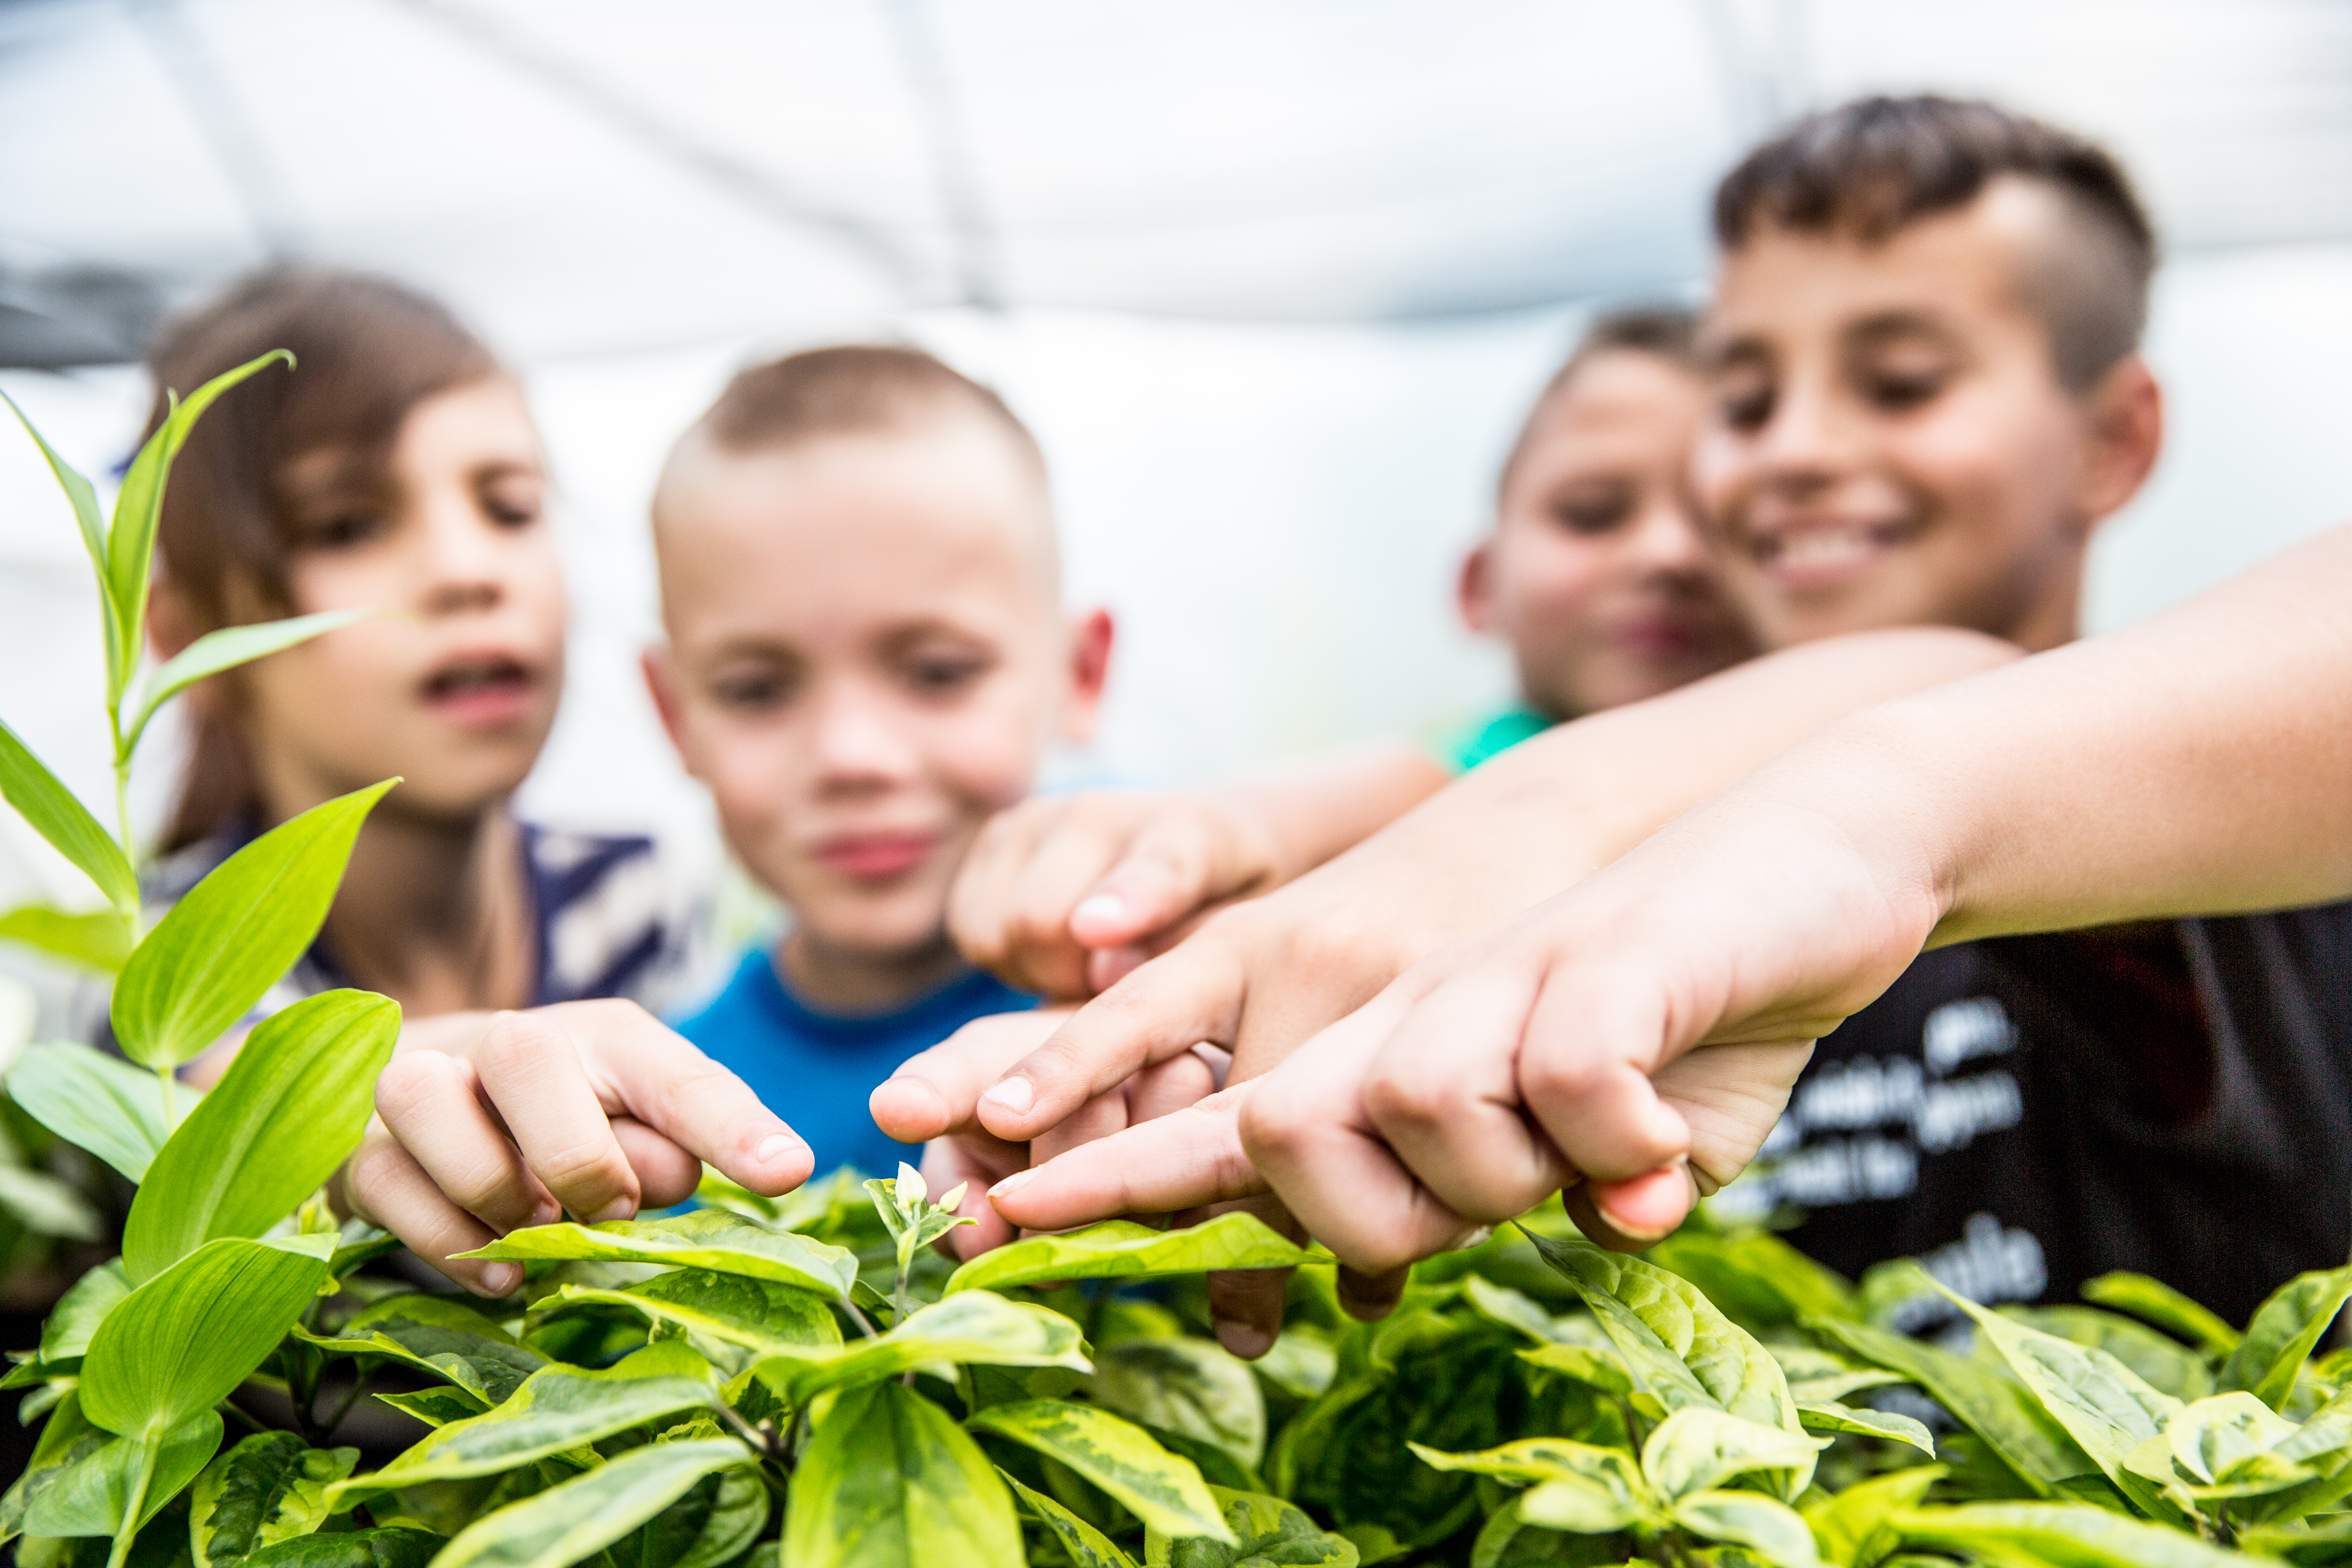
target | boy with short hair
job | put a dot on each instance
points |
(867, 659)
(1926, 394)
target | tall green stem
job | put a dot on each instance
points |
(136, 1506)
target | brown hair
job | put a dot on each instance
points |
(1870, 168)
(1668, 333)
(850, 389)
(366, 351)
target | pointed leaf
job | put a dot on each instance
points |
(199, 973)
(1987, 1401)
(94, 1496)
(436, 1406)
(583, 1516)
(47, 1204)
(1661, 1322)
(139, 506)
(440, 1337)
(56, 815)
(1269, 1530)
(708, 1238)
(1772, 1531)
(106, 1106)
(271, 1486)
(889, 1481)
(2104, 1406)
(1122, 1249)
(1086, 1546)
(65, 1442)
(1589, 1489)
(1195, 1388)
(2210, 1436)
(396, 1546)
(1697, 1449)
(92, 522)
(1164, 1491)
(1843, 1523)
(2165, 1306)
(2159, 1360)
(99, 939)
(289, 1110)
(2284, 1329)
(1827, 1416)
(2066, 1533)
(972, 1329)
(556, 1408)
(1603, 1369)
(184, 1340)
(226, 650)
(759, 1316)
(80, 1309)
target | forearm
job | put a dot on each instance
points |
(2196, 763)
(1584, 793)
(1310, 812)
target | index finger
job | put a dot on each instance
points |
(1186, 1158)
(935, 1093)
(1189, 996)
(658, 1075)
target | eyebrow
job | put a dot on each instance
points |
(1887, 324)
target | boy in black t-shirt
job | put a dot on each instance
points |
(1928, 390)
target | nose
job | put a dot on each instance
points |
(1806, 441)
(859, 745)
(465, 561)
(1666, 540)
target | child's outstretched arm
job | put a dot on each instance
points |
(2194, 765)
(1063, 895)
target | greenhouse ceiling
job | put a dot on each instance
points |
(598, 176)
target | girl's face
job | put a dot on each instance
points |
(454, 689)
(1597, 575)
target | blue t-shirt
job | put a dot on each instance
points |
(816, 1069)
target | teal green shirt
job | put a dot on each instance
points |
(1498, 735)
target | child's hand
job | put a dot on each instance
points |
(930, 1100)
(1634, 1039)
(487, 1122)
(1063, 896)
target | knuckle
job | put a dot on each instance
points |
(1274, 1129)
(583, 1167)
(1416, 1100)
(1560, 1079)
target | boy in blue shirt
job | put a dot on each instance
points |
(867, 659)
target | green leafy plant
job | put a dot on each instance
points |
(806, 1381)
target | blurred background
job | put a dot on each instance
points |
(1273, 281)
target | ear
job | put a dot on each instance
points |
(661, 684)
(2125, 425)
(1473, 588)
(1090, 640)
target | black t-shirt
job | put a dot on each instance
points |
(2025, 1113)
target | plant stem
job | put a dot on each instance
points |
(136, 1506)
(359, 1386)
(864, 1324)
(166, 1077)
(231, 1407)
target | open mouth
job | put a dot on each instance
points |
(482, 688)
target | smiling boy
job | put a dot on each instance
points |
(867, 659)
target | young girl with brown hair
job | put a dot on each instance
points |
(396, 468)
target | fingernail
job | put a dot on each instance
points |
(1643, 1234)
(1246, 1340)
(1012, 1184)
(1013, 1094)
(774, 1146)
(1099, 909)
(619, 1208)
(1477, 1235)
(500, 1278)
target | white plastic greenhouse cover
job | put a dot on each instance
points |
(594, 175)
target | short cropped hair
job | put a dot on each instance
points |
(849, 390)
(1867, 169)
(1669, 332)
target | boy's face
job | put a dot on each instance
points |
(865, 661)
(1597, 573)
(1887, 442)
